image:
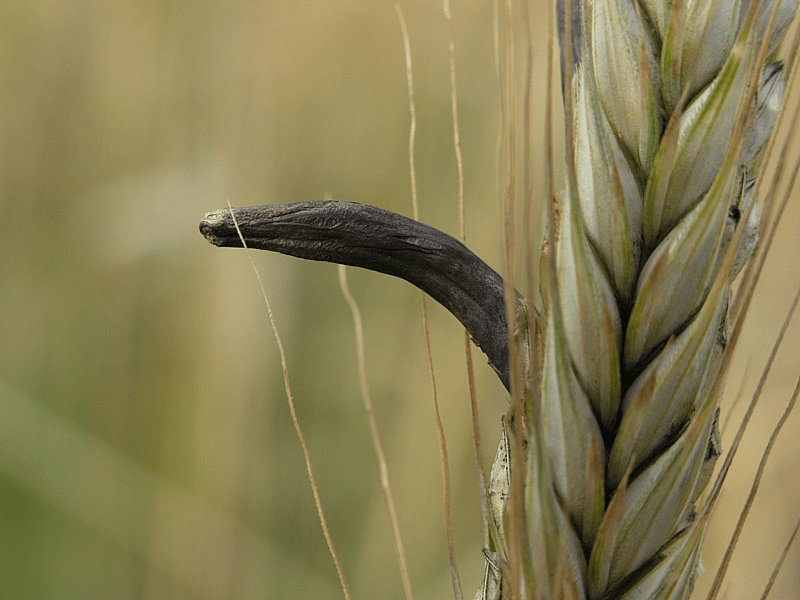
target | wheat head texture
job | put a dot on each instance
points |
(597, 489)
(669, 106)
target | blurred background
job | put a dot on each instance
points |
(146, 449)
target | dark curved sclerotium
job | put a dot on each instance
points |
(364, 236)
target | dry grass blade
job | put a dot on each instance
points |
(723, 568)
(779, 564)
(295, 420)
(729, 456)
(443, 454)
(462, 225)
(376, 438)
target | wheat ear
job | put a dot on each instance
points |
(669, 104)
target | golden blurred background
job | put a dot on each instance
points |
(146, 449)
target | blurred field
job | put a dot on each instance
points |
(146, 449)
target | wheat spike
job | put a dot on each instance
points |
(669, 106)
(666, 137)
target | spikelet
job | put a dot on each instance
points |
(666, 142)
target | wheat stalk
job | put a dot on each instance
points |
(612, 432)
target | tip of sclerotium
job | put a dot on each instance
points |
(210, 224)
